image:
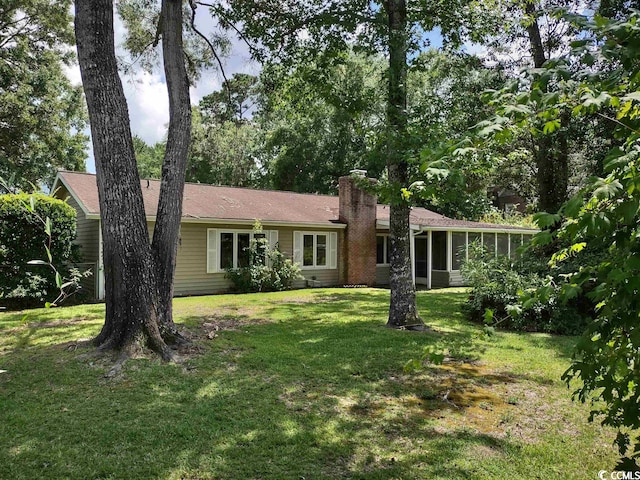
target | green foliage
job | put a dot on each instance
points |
(603, 217)
(498, 285)
(232, 102)
(321, 120)
(148, 158)
(514, 219)
(41, 114)
(444, 99)
(223, 153)
(36, 249)
(203, 48)
(268, 269)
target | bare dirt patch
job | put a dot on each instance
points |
(212, 325)
(472, 396)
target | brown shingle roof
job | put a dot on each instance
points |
(234, 203)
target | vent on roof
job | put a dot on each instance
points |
(358, 173)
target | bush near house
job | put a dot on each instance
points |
(498, 284)
(267, 269)
(23, 239)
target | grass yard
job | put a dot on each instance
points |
(293, 385)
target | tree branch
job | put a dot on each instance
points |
(193, 6)
(618, 122)
(225, 20)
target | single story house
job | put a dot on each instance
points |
(336, 240)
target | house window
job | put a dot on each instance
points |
(229, 249)
(234, 249)
(382, 249)
(315, 249)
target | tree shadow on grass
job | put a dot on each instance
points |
(292, 391)
(254, 421)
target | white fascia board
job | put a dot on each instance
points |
(384, 225)
(483, 229)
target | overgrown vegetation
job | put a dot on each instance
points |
(598, 79)
(267, 269)
(293, 384)
(36, 249)
(498, 284)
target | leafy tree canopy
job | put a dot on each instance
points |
(41, 114)
(320, 120)
(605, 214)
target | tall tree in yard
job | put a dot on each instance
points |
(403, 311)
(302, 30)
(533, 34)
(138, 274)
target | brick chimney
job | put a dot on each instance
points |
(358, 211)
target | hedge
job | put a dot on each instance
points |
(23, 238)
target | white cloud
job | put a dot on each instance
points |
(147, 93)
(148, 106)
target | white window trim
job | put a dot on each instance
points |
(215, 249)
(331, 249)
(385, 253)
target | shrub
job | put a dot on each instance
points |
(268, 269)
(35, 227)
(498, 285)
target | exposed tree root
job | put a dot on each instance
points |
(419, 327)
(117, 367)
(414, 324)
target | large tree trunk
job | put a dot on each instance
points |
(167, 230)
(552, 155)
(403, 312)
(138, 279)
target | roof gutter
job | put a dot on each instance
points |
(229, 221)
(382, 224)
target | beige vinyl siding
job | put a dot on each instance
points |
(439, 279)
(326, 277)
(382, 275)
(88, 239)
(191, 276)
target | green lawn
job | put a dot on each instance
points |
(303, 384)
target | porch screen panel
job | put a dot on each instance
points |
(439, 250)
(489, 241)
(421, 257)
(458, 249)
(474, 237)
(503, 244)
(515, 240)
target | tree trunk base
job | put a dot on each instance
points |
(413, 327)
